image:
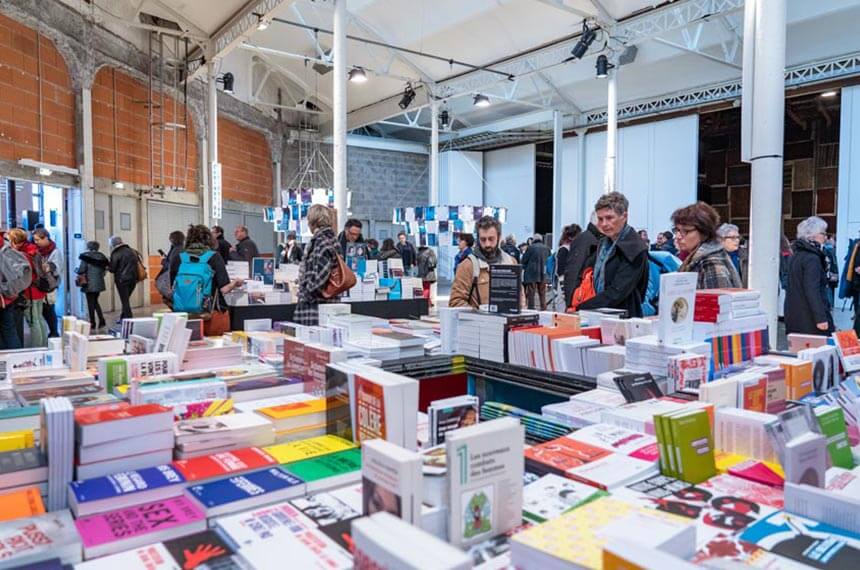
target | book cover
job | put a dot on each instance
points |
(694, 445)
(559, 455)
(369, 409)
(728, 550)
(392, 480)
(752, 392)
(619, 440)
(676, 307)
(97, 415)
(638, 387)
(38, 538)
(331, 465)
(134, 521)
(199, 549)
(308, 448)
(806, 459)
(294, 409)
(21, 504)
(831, 419)
(221, 464)
(240, 487)
(125, 483)
(612, 471)
(450, 414)
(325, 509)
(848, 346)
(552, 495)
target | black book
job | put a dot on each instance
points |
(199, 549)
(506, 281)
(341, 533)
(638, 387)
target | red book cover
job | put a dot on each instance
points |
(591, 332)
(369, 410)
(559, 455)
(221, 464)
(294, 359)
(100, 414)
(316, 360)
(757, 472)
(755, 395)
(100, 409)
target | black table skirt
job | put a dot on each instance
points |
(398, 309)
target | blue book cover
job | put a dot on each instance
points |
(239, 488)
(125, 483)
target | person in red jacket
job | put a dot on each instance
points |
(34, 296)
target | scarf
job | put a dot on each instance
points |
(47, 250)
(604, 252)
(492, 260)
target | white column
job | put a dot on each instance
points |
(768, 108)
(87, 177)
(212, 143)
(339, 111)
(611, 132)
(584, 207)
(557, 144)
(276, 199)
(434, 153)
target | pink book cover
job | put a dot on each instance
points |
(650, 452)
(758, 472)
(731, 486)
(138, 520)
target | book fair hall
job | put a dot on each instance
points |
(429, 284)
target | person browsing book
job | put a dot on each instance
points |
(316, 267)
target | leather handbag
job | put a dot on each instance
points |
(340, 279)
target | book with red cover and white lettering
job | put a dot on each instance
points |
(124, 529)
(99, 425)
(384, 406)
(222, 464)
(560, 455)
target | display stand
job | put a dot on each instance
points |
(394, 309)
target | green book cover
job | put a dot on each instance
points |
(661, 443)
(831, 419)
(116, 374)
(694, 445)
(331, 465)
(671, 463)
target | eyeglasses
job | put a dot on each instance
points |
(682, 232)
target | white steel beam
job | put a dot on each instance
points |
(561, 5)
(700, 53)
(509, 124)
(339, 48)
(368, 28)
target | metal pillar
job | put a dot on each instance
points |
(434, 153)
(557, 144)
(611, 132)
(276, 201)
(88, 198)
(584, 211)
(766, 154)
(339, 111)
(212, 143)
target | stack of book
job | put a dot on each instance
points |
(357, 327)
(124, 489)
(308, 361)
(744, 432)
(45, 541)
(188, 399)
(614, 330)
(329, 471)
(122, 437)
(205, 436)
(410, 345)
(536, 347)
(292, 417)
(142, 326)
(600, 359)
(686, 445)
(735, 343)
(255, 381)
(538, 428)
(245, 491)
(648, 354)
(120, 370)
(57, 444)
(485, 335)
(22, 469)
(722, 305)
(689, 371)
(212, 353)
(583, 409)
(798, 374)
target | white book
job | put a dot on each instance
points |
(485, 480)
(130, 463)
(392, 480)
(806, 460)
(743, 432)
(618, 440)
(553, 495)
(36, 539)
(613, 471)
(839, 510)
(135, 445)
(722, 393)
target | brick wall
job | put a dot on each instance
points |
(121, 135)
(27, 60)
(380, 180)
(246, 163)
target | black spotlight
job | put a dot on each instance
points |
(444, 119)
(408, 97)
(585, 40)
(227, 80)
(603, 66)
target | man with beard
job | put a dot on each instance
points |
(471, 286)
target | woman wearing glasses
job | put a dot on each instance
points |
(807, 303)
(696, 235)
(729, 235)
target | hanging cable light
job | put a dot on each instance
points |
(585, 40)
(603, 66)
(357, 75)
(481, 101)
(408, 97)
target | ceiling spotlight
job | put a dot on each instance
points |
(262, 23)
(481, 101)
(603, 66)
(408, 97)
(829, 94)
(43, 171)
(227, 80)
(357, 75)
(444, 119)
(585, 40)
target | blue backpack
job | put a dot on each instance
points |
(192, 289)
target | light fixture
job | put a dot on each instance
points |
(444, 119)
(262, 23)
(603, 66)
(408, 97)
(585, 40)
(481, 101)
(357, 75)
(227, 80)
(118, 185)
(828, 94)
(43, 171)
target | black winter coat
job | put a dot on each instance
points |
(534, 263)
(123, 264)
(806, 299)
(625, 277)
(582, 248)
(223, 249)
(93, 265)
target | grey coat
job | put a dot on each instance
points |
(93, 265)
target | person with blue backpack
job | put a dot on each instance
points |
(199, 276)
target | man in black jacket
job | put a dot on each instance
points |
(407, 252)
(222, 245)
(245, 248)
(351, 234)
(123, 265)
(581, 249)
(534, 272)
(621, 260)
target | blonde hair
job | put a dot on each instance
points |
(319, 217)
(16, 236)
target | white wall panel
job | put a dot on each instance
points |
(461, 178)
(848, 205)
(570, 194)
(509, 181)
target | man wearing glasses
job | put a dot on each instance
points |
(730, 237)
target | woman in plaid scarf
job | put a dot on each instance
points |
(320, 257)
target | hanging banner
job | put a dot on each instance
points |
(216, 190)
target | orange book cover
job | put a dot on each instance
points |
(798, 379)
(21, 504)
(295, 409)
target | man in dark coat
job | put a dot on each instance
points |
(123, 265)
(223, 246)
(807, 303)
(620, 262)
(534, 271)
(581, 250)
(245, 248)
(407, 252)
(351, 234)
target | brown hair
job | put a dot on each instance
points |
(701, 216)
(487, 222)
(16, 236)
(615, 200)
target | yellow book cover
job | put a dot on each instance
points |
(14, 440)
(577, 537)
(21, 504)
(294, 409)
(307, 448)
(726, 461)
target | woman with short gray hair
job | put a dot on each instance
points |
(807, 306)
